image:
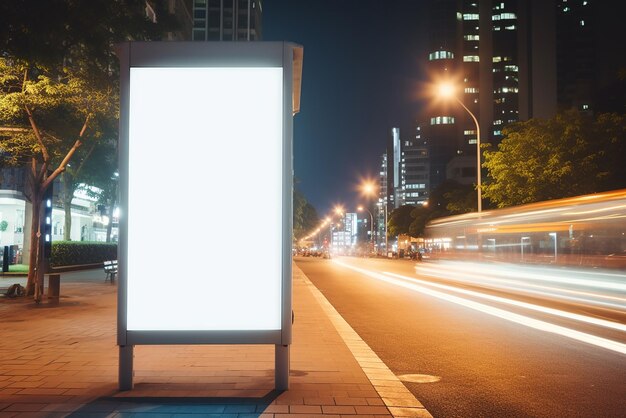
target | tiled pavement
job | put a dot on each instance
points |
(58, 361)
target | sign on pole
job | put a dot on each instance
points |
(205, 160)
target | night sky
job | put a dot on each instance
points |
(361, 69)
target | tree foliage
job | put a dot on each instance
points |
(58, 33)
(58, 86)
(449, 198)
(400, 220)
(305, 217)
(568, 155)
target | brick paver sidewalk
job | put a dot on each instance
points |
(62, 361)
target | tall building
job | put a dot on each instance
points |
(346, 238)
(414, 171)
(227, 20)
(382, 205)
(589, 34)
(407, 168)
(393, 178)
(502, 55)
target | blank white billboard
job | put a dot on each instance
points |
(205, 219)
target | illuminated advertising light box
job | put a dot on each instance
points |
(206, 193)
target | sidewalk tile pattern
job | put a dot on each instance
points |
(62, 361)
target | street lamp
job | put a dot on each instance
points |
(360, 209)
(369, 189)
(447, 90)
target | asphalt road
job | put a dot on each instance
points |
(479, 356)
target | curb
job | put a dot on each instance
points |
(398, 399)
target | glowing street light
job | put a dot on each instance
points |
(369, 189)
(448, 91)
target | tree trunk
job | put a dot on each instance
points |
(110, 225)
(34, 264)
(68, 195)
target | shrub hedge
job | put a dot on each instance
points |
(69, 253)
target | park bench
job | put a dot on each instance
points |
(110, 268)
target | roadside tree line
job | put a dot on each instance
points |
(59, 97)
(571, 154)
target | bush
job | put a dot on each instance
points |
(69, 253)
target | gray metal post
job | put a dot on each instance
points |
(126, 367)
(281, 371)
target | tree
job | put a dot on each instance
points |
(421, 215)
(305, 216)
(48, 116)
(400, 220)
(58, 84)
(94, 166)
(568, 155)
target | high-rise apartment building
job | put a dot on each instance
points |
(404, 177)
(414, 171)
(382, 205)
(513, 60)
(590, 68)
(227, 20)
(501, 56)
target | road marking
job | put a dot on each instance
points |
(500, 313)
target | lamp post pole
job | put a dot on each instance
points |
(371, 223)
(478, 173)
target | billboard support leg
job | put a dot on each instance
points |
(126, 367)
(281, 373)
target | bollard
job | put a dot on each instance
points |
(54, 287)
(5, 259)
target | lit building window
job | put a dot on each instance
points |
(585, 106)
(497, 132)
(471, 58)
(471, 37)
(496, 59)
(511, 27)
(470, 16)
(504, 16)
(440, 55)
(442, 120)
(582, 23)
(470, 90)
(512, 68)
(497, 122)
(472, 141)
(469, 132)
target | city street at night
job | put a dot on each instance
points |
(468, 343)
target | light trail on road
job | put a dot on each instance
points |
(425, 287)
(526, 280)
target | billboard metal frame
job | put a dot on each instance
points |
(283, 55)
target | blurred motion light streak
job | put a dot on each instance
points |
(500, 313)
(530, 306)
